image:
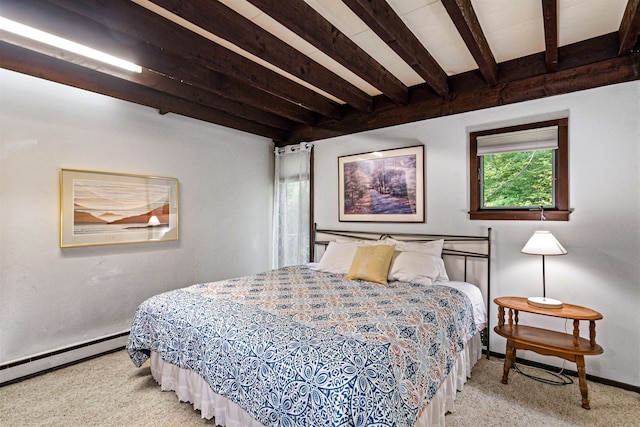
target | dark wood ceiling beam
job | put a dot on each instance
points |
(25, 61)
(589, 51)
(550, 15)
(629, 32)
(466, 21)
(52, 19)
(137, 22)
(207, 99)
(384, 21)
(224, 22)
(510, 89)
(303, 20)
(159, 82)
(212, 81)
(61, 22)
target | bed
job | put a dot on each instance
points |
(382, 330)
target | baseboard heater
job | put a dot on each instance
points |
(38, 364)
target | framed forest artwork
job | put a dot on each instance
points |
(99, 208)
(382, 186)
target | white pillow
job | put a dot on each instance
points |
(417, 267)
(360, 242)
(442, 274)
(337, 258)
(430, 248)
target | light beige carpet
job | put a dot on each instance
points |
(111, 391)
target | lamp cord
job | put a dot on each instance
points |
(560, 377)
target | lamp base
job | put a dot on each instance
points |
(544, 302)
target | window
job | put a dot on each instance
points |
(517, 169)
(292, 210)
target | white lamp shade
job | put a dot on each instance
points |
(543, 243)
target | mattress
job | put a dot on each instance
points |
(301, 347)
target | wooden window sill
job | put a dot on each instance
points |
(519, 215)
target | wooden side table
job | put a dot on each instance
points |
(543, 341)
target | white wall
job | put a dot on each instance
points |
(602, 268)
(52, 298)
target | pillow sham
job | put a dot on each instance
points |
(337, 257)
(360, 242)
(433, 247)
(371, 263)
(442, 275)
(417, 267)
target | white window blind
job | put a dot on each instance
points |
(545, 138)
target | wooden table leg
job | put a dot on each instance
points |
(509, 360)
(582, 377)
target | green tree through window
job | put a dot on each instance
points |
(518, 180)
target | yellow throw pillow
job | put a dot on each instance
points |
(371, 263)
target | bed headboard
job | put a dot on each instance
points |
(467, 258)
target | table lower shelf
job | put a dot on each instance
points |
(550, 343)
(544, 339)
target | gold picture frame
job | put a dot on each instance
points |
(103, 208)
(382, 186)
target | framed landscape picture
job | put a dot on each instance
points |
(382, 186)
(98, 208)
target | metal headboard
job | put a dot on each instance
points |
(449, 239)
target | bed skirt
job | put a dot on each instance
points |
(190, 387)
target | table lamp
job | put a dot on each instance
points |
(544, 243)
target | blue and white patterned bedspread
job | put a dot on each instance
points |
(298, 347)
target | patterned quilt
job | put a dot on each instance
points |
(298, 347)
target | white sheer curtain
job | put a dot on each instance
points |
(291, 205)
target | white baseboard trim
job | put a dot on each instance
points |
(43, 362)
